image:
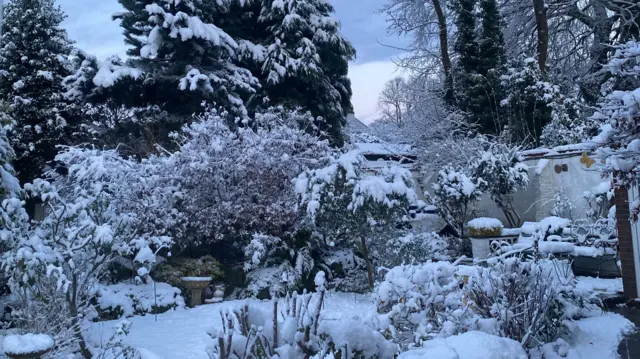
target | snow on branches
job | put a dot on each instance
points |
(345, 204)
(240, 180)
(500, 173)
(620, 113)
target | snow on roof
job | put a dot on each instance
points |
(356, 126)
(576, 148)
(384, 149)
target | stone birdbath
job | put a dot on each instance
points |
(27, 346)
(195, 285)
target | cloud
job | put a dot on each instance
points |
(367, 81)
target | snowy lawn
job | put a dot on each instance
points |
(183, 333)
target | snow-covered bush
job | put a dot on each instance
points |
(125, 300)
(276, 266)
(528, 301)
(454, 194)
(345, 268)
(500, 173)
(348, 207)
(619, 113)
(301, 333)
(412, 247)
(56, 262)
(420, 301)
(238, 181)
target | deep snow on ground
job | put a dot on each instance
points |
(182, 333)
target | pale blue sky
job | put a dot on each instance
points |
(89, 24)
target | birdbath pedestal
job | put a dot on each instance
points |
(195, 285)
(27, 346)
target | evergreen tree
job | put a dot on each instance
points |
(33, 63)
(297, 51)
(491, 43)
(480, 64)
(491, 64)
(185, 56)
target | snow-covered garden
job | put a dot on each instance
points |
(206, 198)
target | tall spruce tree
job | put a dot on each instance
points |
(33, 63)
(185, 56)
(297, 51)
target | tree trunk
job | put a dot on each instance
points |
(365, 253)
(72, 300)
(540, 10)
(444, 47)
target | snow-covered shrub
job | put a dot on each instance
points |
(619, 111)
(125, 300)
(412, 247)
(56, 262)
(529, 301)
(115, 346)
(349, 207)
(275, 266)
(238, 181)
(563, 206)
(598, 201)
(301, 333)
(501, 173)
(420, 301)
(454, 194)
(346, 270)
(485, 227)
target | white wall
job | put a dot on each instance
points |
(537, 200)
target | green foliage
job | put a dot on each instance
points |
(33, 62)
(172, 271)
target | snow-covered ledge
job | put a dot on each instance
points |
(195, 285)
(481, 232)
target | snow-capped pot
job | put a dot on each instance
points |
(481, 232)
(485, 227)
(27, 346)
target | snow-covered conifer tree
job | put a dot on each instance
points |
(33, 62)
(298, 53)
(186, 57)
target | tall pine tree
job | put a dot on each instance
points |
(297, 51)
(33, 63)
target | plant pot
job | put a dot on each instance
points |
(481, 247)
